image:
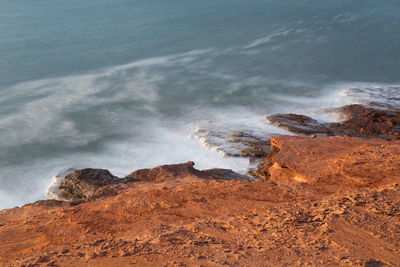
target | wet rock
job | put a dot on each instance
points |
(300, 124)
(53, 191)
(235, 144)
(82, 184)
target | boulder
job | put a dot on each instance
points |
(164, 172)
(82, 184)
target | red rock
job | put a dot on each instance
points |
(343, 161)
(343, 211)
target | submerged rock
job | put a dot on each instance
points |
(244, 143)
(82, 184)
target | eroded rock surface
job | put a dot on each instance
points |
(251, 144)
(82, 184)
(209, 222)
(300, 124)
(345, 161)
(370, 121)
(329, 201)
(176, 171)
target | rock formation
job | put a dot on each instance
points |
(328, 201)
(176, 171)
(324, 201)
(369, 121)
(251, 144)
(82, 184)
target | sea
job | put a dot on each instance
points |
(126, 84)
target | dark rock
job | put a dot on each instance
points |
(225, 174)
(82, 184)
(368, 121)
(262, 172)
(300, 124)
(253, 146)
(244, 143)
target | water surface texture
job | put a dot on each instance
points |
(122, 84)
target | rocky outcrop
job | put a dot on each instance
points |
(300, 124)
(329, 201)
(177, 171)
(344, 161)
(80, 185)
(165, 172)
(368, 121)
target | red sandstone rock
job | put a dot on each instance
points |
(343, 211)
(336, 160)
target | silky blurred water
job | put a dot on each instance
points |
(122, 84)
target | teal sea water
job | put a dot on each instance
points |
(123, 84)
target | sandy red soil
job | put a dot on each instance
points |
(329, 201)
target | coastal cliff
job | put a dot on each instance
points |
(323, 200)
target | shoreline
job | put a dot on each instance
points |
(319, 198)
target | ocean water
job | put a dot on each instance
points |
(123, 84)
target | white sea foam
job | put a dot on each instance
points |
(69, 114)
(52, 98)
(268, 38)
(282, 32)
(53, 191)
